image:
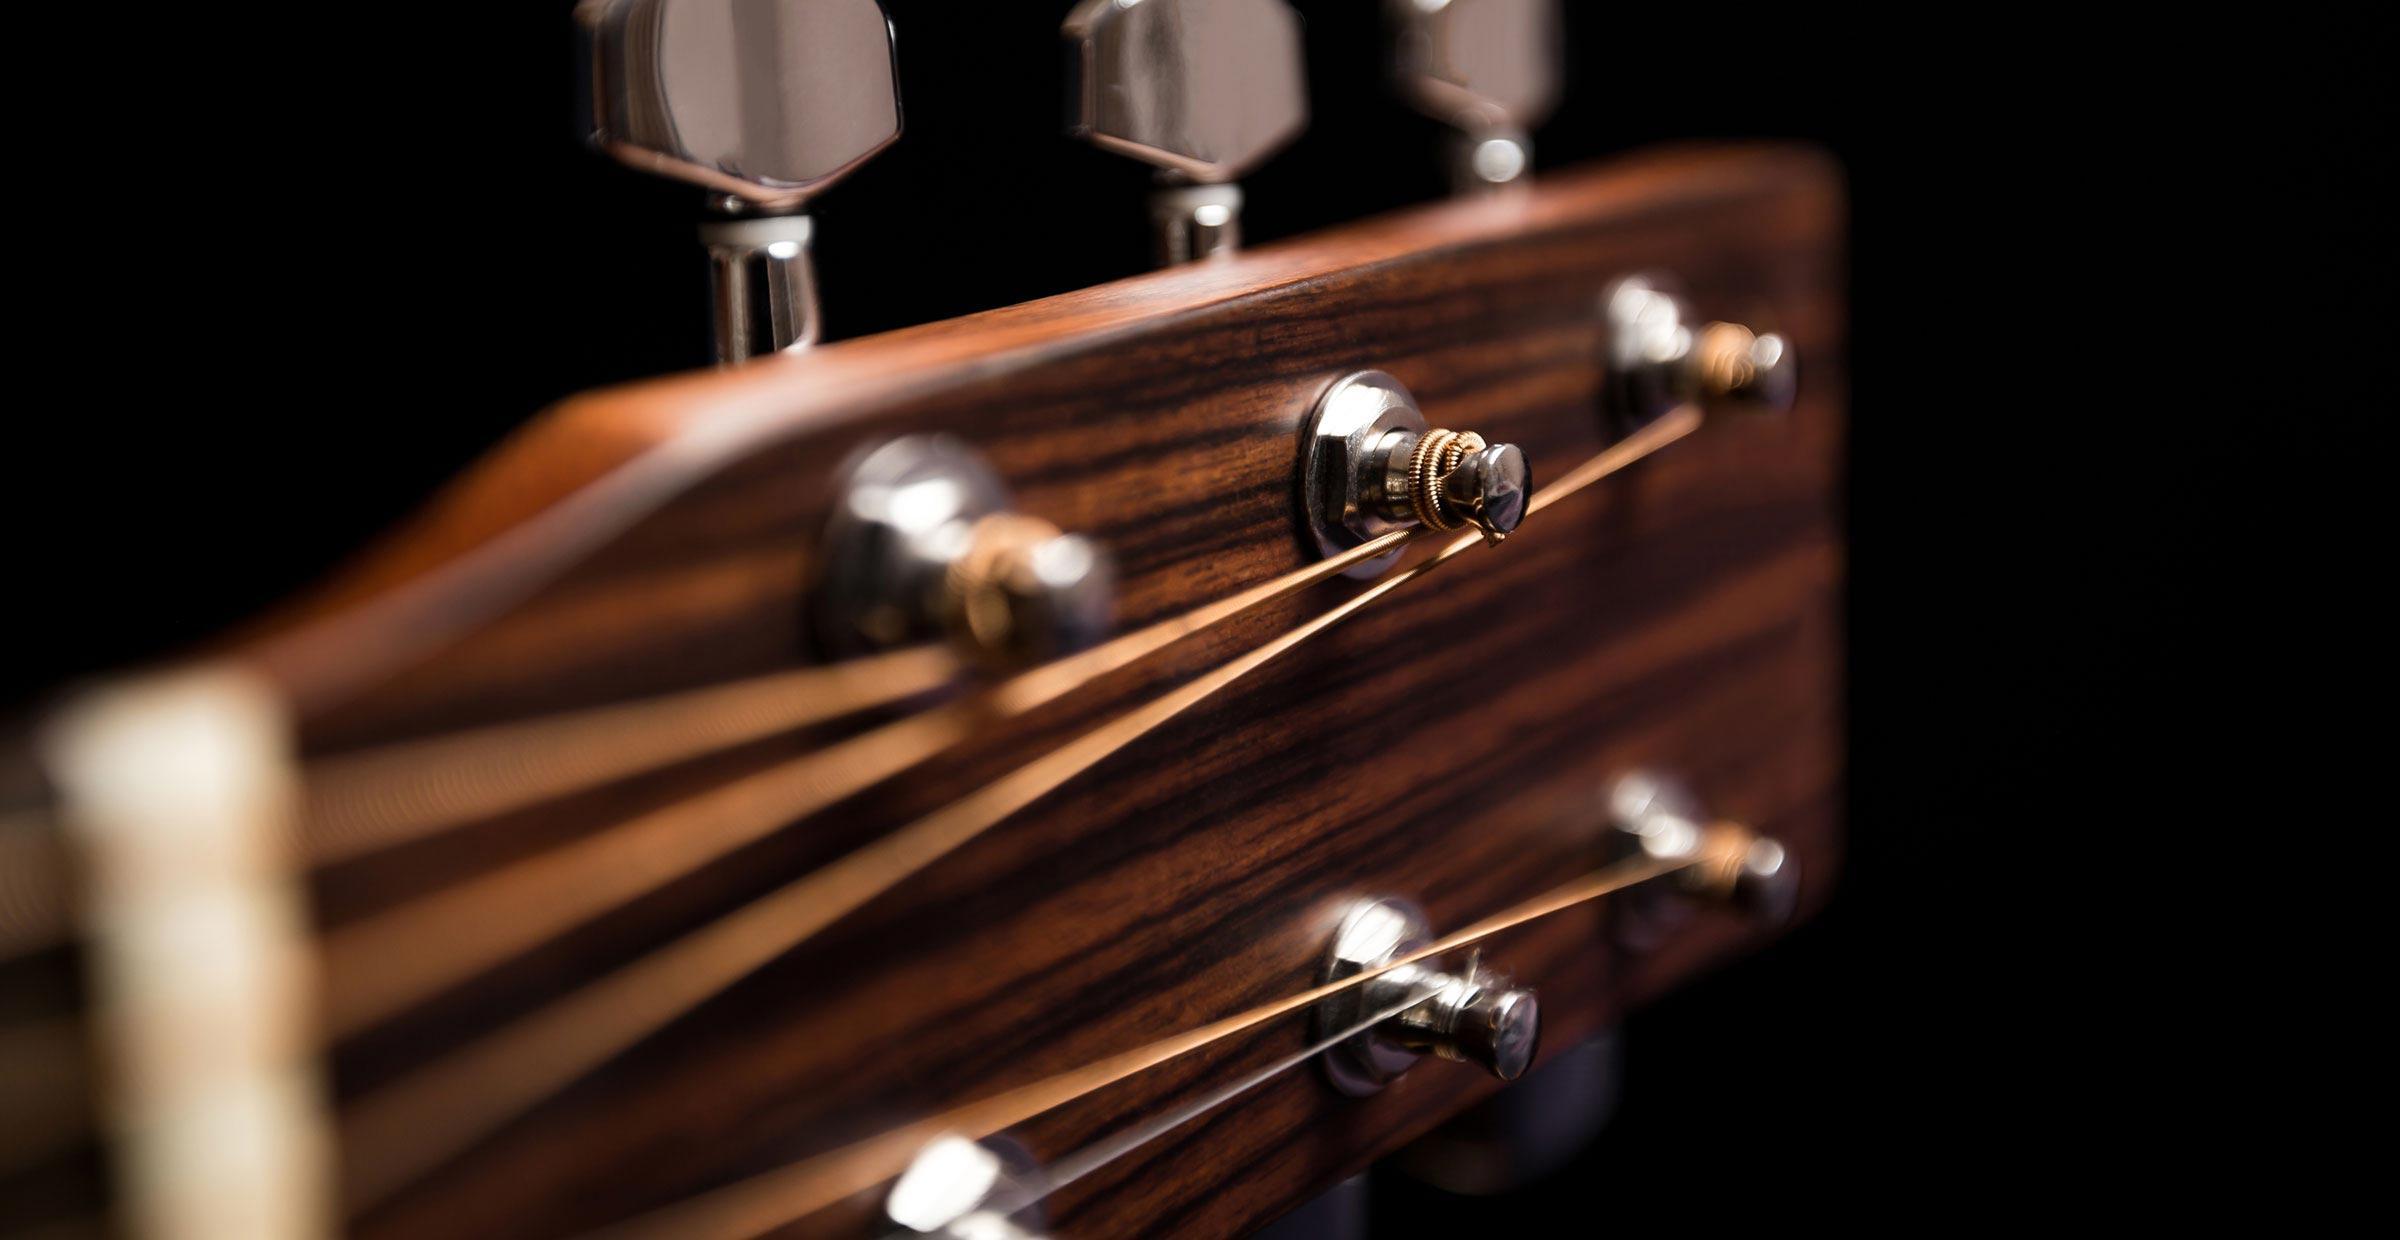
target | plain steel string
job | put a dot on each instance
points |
(409, 1125)
(776, 1198)
(1109, 1149)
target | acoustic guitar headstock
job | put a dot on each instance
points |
(1116, 764)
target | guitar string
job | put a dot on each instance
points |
(782, 1196)
(394, 1134)
(402, 1129)
(1099, 1154)
(358, 803)
(1019, 1193)
(412, 788)
(392, 961)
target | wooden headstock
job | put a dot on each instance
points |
(568, 895)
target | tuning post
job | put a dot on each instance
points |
(1473, 1016)
(1657, 359)
(1371, 464)
(1730, 864)
(1490, 70)
(764, 103)
(1204, 90)
(924, 546)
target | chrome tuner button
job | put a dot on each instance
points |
(764, 103)
(1473, 1017)
(1370, 464)
(923, 546)
(1489, 69)
(1736, 868)
(967, 1190)
(1204, 90)
(1658, 359)
(1482, 1020)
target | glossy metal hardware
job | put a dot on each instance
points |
(1658, 817)
(1489, 69)
(968, 1190)
(1370, 464)
(761, 257)
(1204, 90)
(923, 546)
(763, 102)
(1195, 221)
(1473, 1017)
(1657, 359)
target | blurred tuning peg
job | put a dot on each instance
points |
(1204, 89)
(1661, 356)
(1488, 68)
(1472, 1015)
(1734, 866)
(762, 102)
(924, 545)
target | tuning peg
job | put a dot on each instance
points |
(1203, 89)
(1657, 359)
(1371, 464)
(1489, 69)
(764, 103)
(1734, 866)
(1474, 1015)
(923, 546)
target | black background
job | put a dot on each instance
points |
(296, 268)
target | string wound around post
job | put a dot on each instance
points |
(1371, 464)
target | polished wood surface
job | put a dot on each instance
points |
(1448, 746)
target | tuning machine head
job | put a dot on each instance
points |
(1204, 90)
(764, 103)
(1732, 866)
(1473, 1015)
(1659, 357)
(1490, 69)
(1371, 464)
(924, 546)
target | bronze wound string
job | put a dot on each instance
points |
(776, 1198)
(390, 962)
(404, 1128)
(358, 803)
